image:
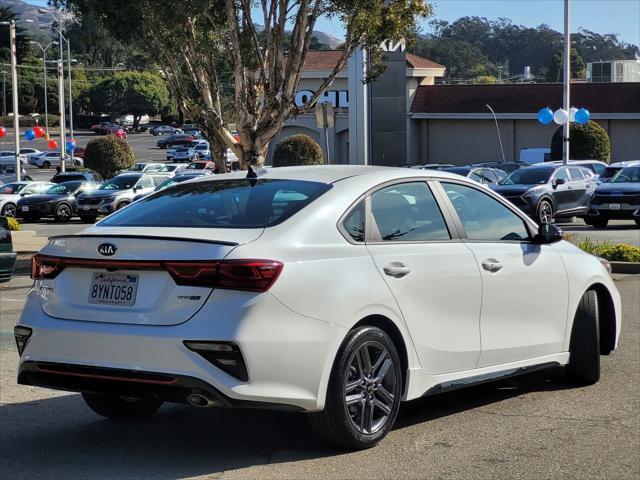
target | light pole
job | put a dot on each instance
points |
(14, 92)
(4, 93)
(567, 80)
(118, 65)
(44, 66)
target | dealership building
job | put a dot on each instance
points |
(415, 120)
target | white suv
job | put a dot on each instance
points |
(339, 291)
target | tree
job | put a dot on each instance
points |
(22, 39)
(215, 46)
(586, 142)
(556, 68)
(462, 59)
(297, 150)
(108, 155)
(136, 93)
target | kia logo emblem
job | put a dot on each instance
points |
(107, 249)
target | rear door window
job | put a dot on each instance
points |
(239, 203)
(354, 223)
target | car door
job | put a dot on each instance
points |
(563, 198)
(144, 185)
(432, 275)
(524, 285)
(579, 188)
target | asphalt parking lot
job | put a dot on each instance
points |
(533, 427)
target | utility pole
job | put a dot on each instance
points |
(4, 93)
(14, 92)
(44, 66)
(70, 95)
(62, 120)
(567, 80)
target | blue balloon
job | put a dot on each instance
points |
(30, 134)
(71, 146)
(582, 116)
(545, 116)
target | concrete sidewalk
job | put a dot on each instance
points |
(25, 241)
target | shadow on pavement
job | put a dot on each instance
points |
(61, 438)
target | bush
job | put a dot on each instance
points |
(108, 155)
(13, 223)
(297, 150)
(587, 142)
(614, 252)
(27, 121)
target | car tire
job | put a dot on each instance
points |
(9, 210)
(88, 218)
(46, 164)
(354, 425)
(122, 205)
(584, 347)
(63, 212)
(544, 212)
(600, 223)
(637, 222)
(122, 408)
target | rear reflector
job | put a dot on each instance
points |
(251, 275)
(224, 355)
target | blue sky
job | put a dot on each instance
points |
(602, 16)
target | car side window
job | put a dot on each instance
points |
(145, 182)
(588, 174)
(354, 223)
(408, 212)
(483, 217)
(598, 168)
(576, 174)
(475, 175)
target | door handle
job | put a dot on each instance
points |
(396, 270)
(492, 265)
(570, 187)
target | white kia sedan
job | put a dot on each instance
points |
(335, 290)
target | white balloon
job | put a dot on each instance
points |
(572, 114)
(560, 116)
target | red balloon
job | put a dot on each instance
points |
(52, 144)
(39, 131)
(3, 132)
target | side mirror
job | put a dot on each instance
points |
(548, 233)
(559, 181)
(135, 189)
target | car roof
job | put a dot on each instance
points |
(335, 173)
(629, 163)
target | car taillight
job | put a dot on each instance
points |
(43, 266)
(250, 275)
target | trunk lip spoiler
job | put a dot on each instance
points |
(146, 237)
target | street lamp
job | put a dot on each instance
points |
(118, 65)
(44, 66)
(14, 83)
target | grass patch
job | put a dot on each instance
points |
(614, 252)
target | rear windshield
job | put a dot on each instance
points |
(123, 182)
(220, 204)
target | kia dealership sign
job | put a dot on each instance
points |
(337, 98)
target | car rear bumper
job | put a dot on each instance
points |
(288, 357)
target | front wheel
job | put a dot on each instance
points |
(122, 408)
(63, 213)
(363, 396)
(46, 164)
(584, 347)
(9, 210)
(544, 212)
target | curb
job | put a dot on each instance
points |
(625, 267)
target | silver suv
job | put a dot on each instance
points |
(115, 194)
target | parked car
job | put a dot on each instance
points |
(10, 193)
(482, 175)
(547, 191)
(169, 182)
(504, 166)
(8, 173)
(166, 300)
(120, 133)
(105, 128)
(59, 201)
(184, 154)
(144, 167)
(84, 175)
(10, 157)
(172, 140)
(164, 130)
(51, 159)
(202, 150)
(431, 166)
(618, 199)
(29, 152)
(200, 165)
(596, 166)
(79, 152)
(115, 194)
(98, 127)
(613, 168)
(7, 255)
(194, 132)
(172, 168)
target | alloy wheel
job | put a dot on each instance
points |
(545, 212)
(368, 389)
(63, 212)
(9, 210)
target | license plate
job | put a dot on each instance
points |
(614, 206)
(86, 207)
(113, 289)
(25, 209)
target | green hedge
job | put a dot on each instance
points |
(108, 155)
(587, 142)
(297, 150)
(27, 121)
(614, 252)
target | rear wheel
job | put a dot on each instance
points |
(122, 205)
(584, 348)
(63, 212)
(544, 212)
(46, 164)
(363, 396)
(122, 407)
(88, 218)
(9, 210)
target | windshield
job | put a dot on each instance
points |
(11, 188)
(609, 172)
(628, 175)
(201, 147)
(528, 176)
(138, 167)
(174, 181)
(196, 166)
(168, 168)
(62, 188)
(220, 204)
(123, 182)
